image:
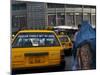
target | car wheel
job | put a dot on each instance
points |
(62, 65)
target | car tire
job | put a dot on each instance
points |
(68, 52)
(62, 65)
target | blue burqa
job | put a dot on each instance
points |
(86, 34)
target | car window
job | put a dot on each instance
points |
(63, 39)
(35, 40)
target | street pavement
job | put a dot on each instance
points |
(68, 63)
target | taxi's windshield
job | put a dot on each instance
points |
(35, 40)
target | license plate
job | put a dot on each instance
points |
(35, 59)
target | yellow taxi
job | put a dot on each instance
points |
(66, 43)
(36, 48)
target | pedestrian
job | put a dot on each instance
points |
(74, 60)
(73, 52)
(79, 26)
(84, 49)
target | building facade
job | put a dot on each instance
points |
(39, 15)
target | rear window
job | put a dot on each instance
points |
(35, 40)
(63, 39)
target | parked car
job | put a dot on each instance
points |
(36, 48)
(66, 43)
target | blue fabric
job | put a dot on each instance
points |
(86, 34)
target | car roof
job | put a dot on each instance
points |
(35, 31)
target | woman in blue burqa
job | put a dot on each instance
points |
(84, 48)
